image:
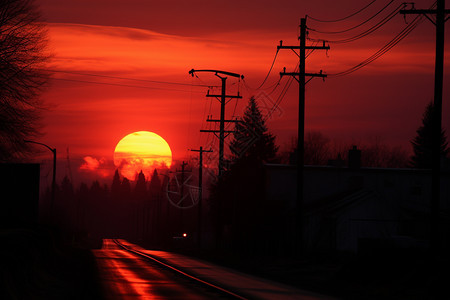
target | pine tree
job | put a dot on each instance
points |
(125, 189)
(155, 184)
(252, 139)
(239, 193)
(115, 187)
(140, 188)
(422, 143)
(67, 188)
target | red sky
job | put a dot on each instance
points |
(163, 40)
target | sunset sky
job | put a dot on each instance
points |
(122, 66)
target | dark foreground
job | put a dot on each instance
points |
(406, 274)
(39, 264)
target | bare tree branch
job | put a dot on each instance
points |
(22, 58)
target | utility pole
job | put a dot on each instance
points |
(222, 99)
(200, 193)
(301, 79)
(440, 13)
(183, 165)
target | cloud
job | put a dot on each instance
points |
(90, 163)
(101, 166)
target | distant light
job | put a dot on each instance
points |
(184, 234)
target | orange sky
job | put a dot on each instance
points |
(158, 41)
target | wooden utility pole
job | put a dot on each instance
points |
(183, 165)
(301, 79)
(440, 13)
(200, 193)
(222, 99)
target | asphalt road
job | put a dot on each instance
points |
(128, 276)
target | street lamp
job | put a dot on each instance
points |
(54, 173)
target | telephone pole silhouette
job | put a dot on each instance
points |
(183, 165)
(440, 13)
(200, 193)
(301, 79)
(222, 99)
(183, 170)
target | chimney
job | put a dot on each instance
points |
(354, 158)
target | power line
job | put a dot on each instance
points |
(274, 85)
(344, 18)
(367, 32)
(268, 73)
(125, 85)
(356, 26)
(399, 37)
(133, 79)
(281, 95)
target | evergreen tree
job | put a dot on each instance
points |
(423, 142)
(82, 195)
(140, 188)
(239, 194)
(125, 189)
(66, 205)
(155, 184)
(115, 187)
(252, 139)
(67, 187)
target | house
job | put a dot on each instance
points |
(350, 208)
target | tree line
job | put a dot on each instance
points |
(138, 211)
(246, 221)
(237, 208)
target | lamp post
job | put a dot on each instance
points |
(54, 173)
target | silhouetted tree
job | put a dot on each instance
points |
(422, 143)
(319, 150)
(238, 197)
(22, 44)
(66, 203)
(140, 189)
(115, 186)
(155, 183)
(252, 138)
(380, 155)
(155, 189)
(83, 202)
(125, 189)
(141, 206)
(316, 148)
(67, 187)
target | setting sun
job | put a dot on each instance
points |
(141, 150)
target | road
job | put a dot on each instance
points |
(128, 276)
(150, 274)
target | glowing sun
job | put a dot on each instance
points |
(141, 150)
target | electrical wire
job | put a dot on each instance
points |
(344, 18)
(124, 85)
(399, 37)
(270, 69)
(277, 84)
(370, 30)
(128, 78)
(356, 26)
(268, 73)
(281, 95)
